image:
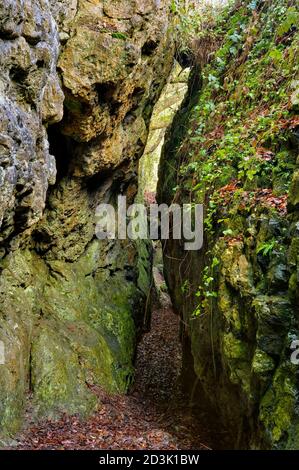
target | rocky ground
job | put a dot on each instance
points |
(153, 416)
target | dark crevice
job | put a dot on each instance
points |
(61, 147)
(106, 92)
(17, 74)
(40, 64)
(136, 98)
(33, 41)
(185, 58)
(149, 48)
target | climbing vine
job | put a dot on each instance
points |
(236, 157)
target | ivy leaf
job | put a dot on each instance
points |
(266, 248)
(292, 19)
(228, 232)
(276, 55)
(211, 294)
(215, 262)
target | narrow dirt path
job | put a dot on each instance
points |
(153, 416)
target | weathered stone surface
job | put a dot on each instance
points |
(164, 111)
(239, 295)
(71, 306)
(30, 97)
(109, 69)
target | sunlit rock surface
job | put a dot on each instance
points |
(164, 112)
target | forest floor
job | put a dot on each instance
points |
(154, 416)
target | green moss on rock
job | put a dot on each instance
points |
(233, 147)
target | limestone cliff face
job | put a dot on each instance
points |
(164, 112)
(71, 305)
(234, 148)
(31, 97)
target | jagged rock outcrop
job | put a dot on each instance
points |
(70, 304)
(31, 98)
(234, 148)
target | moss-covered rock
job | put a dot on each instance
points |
(72, 306)
(233, 146)
(58, 379)
(294, 190)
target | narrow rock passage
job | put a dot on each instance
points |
(153, 416)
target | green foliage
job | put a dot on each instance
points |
(238, 129)
(292, 19)
(266, 248)
(185, 288)
(237, 143)
(206, 292)
(238, 158)
(192, 19)
(119, 36)
(276, 54)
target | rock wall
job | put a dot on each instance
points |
(71, 305)
(234, 148)
(164, 112)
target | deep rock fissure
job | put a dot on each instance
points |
(187, 398)
(72, 307)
